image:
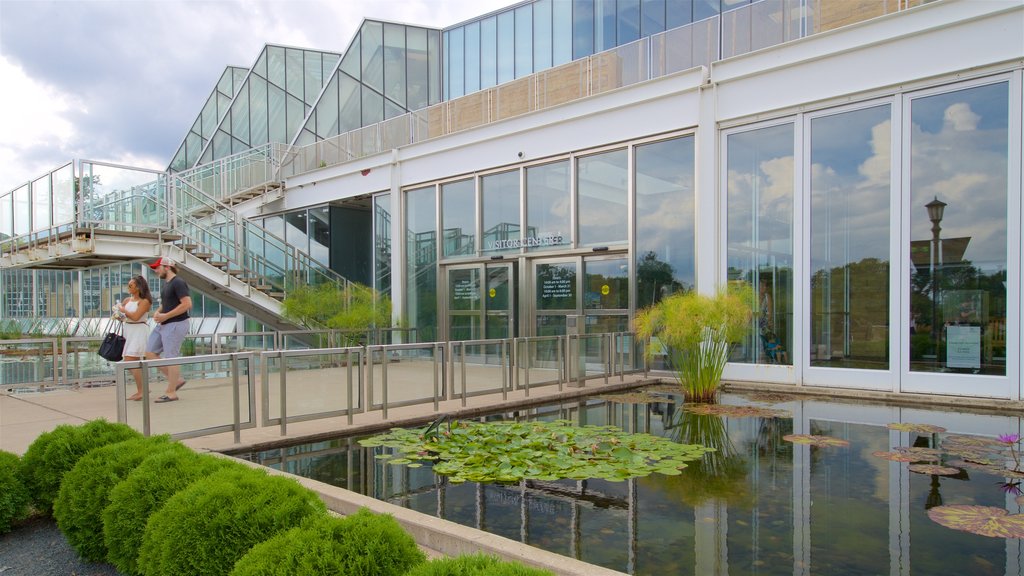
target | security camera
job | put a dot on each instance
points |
(521, 154)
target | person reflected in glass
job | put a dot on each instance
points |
(774, 351)
(133, 312)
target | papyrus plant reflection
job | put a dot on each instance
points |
(721, 474)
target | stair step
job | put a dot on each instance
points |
(218, 263)
(189, 247)
(263, 287)
(203, 255)
(237, 273)
(276, 295)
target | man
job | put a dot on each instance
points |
(171, 324)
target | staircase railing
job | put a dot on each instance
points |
(221, 179)
(237, 244)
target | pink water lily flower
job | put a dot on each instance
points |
(1009, 438)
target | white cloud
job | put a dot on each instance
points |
(961, 118)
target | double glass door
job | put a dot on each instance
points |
(580, 295)
(481, 301)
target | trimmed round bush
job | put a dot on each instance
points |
(144, 491)
(363, 544)
(54, 453)
(474, 565)
(14, 498)
(85, 491)
(205, 528)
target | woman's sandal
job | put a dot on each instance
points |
(163, 399)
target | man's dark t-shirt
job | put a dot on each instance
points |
(171, 295)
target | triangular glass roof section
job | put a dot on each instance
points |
(213, 110)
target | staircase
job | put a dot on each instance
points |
(219, 253)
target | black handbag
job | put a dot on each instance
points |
(112, 347)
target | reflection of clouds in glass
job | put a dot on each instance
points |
(773, 185)
(964, 166)
(876, 169)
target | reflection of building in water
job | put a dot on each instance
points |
(564, 138)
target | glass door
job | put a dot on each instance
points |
(465, 305)
(555, 296)
(500, 301)
(961, 247)
(481, 301)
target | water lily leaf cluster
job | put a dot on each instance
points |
(514, 451)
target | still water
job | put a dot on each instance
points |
(758, 505)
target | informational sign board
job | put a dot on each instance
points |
(963, 347)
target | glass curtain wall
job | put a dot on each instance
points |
(388, 70)
(602, 188)
(759, 188)
(421, 262)
(523, 40)
(959, 154)
(499, 196)
(273, 102)
(217, 104)
(850, 156)
(458, 218)
(548, 206)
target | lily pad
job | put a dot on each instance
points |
(919, 428)
(934, 470)
(981, 520)
(896, 456)
(513, 451)
(635, 398)
(769, 397)
(735, 411)
(815, 440)
(923, 452)
(973, 441)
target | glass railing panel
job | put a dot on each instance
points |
(540, 360)
(206, 405)
(82, 363)
(28, 364)
(396, 132)
(63, 182)
(480, 367)
(408, 371)
(319, 384)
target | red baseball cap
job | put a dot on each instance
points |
(162, 262)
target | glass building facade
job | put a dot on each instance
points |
(216, 106)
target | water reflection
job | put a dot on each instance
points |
(758, 504)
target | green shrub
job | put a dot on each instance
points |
(85, 491)
(474, 565)
(205, 528)
(363, 544)
(54, 453)
(14, 497)
(143, 492)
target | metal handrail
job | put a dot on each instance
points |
(354, 357)
(457, 349)
(53, 355)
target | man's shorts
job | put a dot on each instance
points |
(165, 340)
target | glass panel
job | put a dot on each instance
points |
(464, 289)
(472, 61)
(416, 68)
(665, 219)
(653, 17)
(373, 107)
(22, 211)
(320, 234)
(500, 198)
(278, 131)
(275, 65)
(456, 63)
(41, 203)
(705, 9)
(582, 28)
(488, 52)
(556, 286)
(850, 183)
(498, 286)
(240, 117)
(550, 325)
(600, 325)
(548, 206)
(327, 110)
(382, 243)
(541, 35)
(759, 192)
(372, 35)
(296, 113)
(221, 144)
(602, 191)
(561, 33)
(421, 273)
(6, 216)
(294, 72)
(394, 63)
(506, 47)
(629, 21)
(958, 230)
(434, 57)
(63, 195)
(314, 76)
(498, 326)
(352, 62)
(274, 225)
(258, 110)
(604, 24)
(350, 101)
(295, 230)
(524, 41)
(678, 13)
(464, 327)
(606, 284)
(459, 217)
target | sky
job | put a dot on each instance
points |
(122, 81)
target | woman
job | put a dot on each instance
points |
(773, 348)
(134, 309)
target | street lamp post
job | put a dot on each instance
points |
(935, 210)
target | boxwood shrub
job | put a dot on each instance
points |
(363, 544)
(14, 498)
(54, 453)
(85, 491)
(474, 565)
(205, 528)
(143, 492)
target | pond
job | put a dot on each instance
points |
(760, 504)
